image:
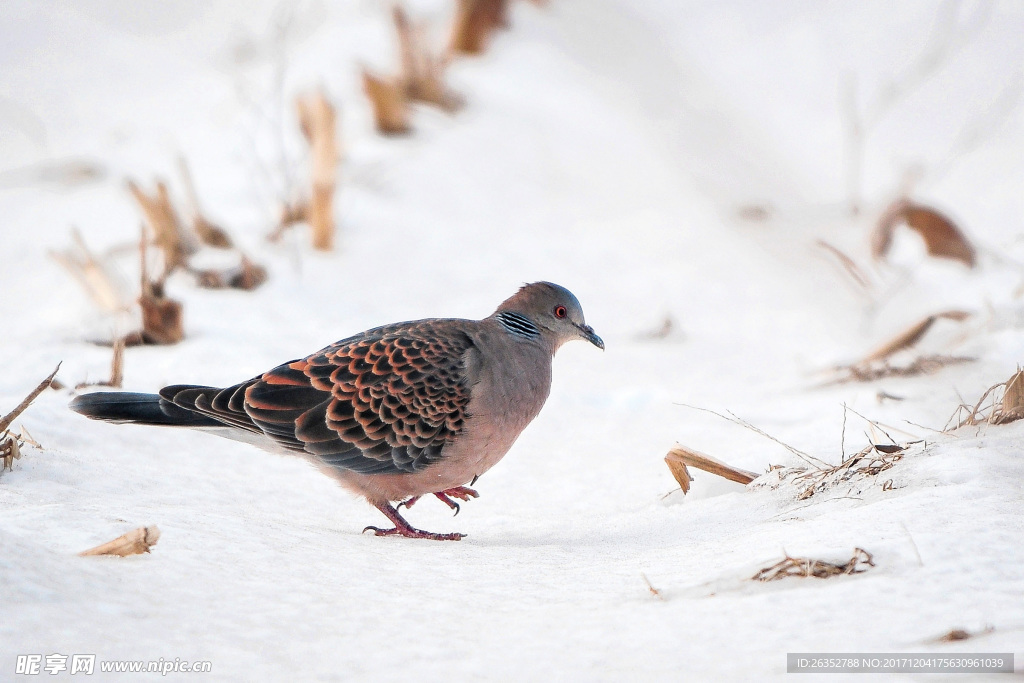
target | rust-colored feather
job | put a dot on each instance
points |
(387, 400)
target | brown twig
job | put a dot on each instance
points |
(10, 417)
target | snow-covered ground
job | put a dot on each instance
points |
(607, 145)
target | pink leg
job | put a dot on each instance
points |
(403, 528)
(463, 493)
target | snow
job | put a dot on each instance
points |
(606, 146)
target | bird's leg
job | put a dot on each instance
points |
(461, 492)
(408, 502)
(403, 528)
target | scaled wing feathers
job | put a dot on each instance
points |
(385, 401)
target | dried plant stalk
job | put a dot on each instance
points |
(134, 542)
(475, 20)
(161, 316)
(680, 456)
(422, 74)
(925, 365)
(209, 233)
(10, 417)
(941, 236)
(317, 118)
(117, 364)
(390, 103)
(165, 226)
(90, 272)
(850, 266)
(819, 569)
(678, 469)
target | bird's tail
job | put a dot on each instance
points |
(150, 409)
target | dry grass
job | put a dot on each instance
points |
(820, 569)
(163, 222)
(877, 364)
(993, 408)
(923, 365)
(871, 461)
(93, 274)
(816, 476)
(10, 444)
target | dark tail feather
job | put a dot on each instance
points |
(123, 406)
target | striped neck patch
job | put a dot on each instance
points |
(518, 325)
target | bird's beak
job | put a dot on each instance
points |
(587, 332)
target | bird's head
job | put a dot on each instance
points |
(550, 311)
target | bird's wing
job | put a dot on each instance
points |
(385, 401)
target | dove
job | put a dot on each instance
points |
(394, 413)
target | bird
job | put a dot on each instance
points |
(393, 413)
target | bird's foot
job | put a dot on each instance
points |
(463, 493)
(460, 492)
(403, 528)
(407, 503)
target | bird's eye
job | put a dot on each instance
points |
(560, 311)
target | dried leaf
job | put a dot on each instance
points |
(941, 236)
(10, 450)
(912, 335)
(679, 457)
(134, 542)
(1013, 397)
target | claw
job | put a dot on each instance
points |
(407, 503)
(403, 528)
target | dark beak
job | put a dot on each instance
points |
(587, 332)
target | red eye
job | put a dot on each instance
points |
(560, 311)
